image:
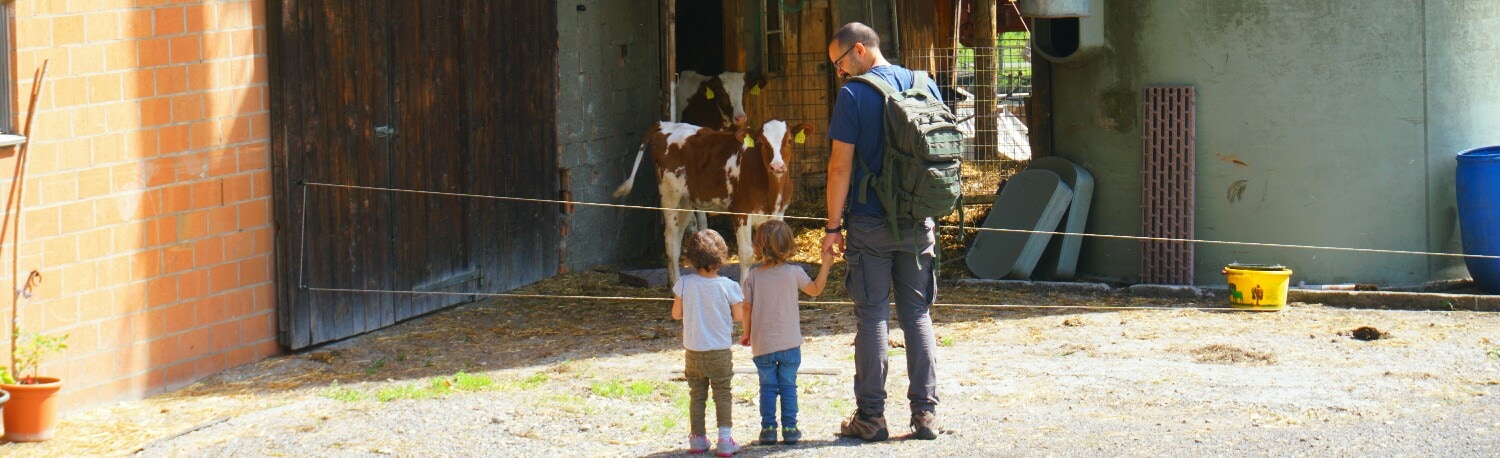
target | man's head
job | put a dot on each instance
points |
(854, 49)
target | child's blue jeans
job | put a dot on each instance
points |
(778, 377)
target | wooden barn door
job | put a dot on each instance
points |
(448, 96)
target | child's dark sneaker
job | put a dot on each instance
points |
(924, 425)
(790, 435)
(868, 428)
(768, 435)
(697, 444)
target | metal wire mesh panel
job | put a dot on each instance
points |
(994, 120)
(1167, 184)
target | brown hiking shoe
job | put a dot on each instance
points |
(924, 425)
(868, 428)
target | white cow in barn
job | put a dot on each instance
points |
(698, 168)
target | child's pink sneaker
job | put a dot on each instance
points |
(697, 444)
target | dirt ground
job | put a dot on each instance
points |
(510, 377)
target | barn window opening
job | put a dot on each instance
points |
(773, 50)
(700, 36)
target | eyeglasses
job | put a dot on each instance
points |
(839, 69)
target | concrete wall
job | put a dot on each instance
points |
(1340, 119)
(606, 101)
(147, 194)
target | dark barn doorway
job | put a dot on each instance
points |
(700, 36)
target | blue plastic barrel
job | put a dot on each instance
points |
(1479, 213)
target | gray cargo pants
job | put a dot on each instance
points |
(876, 263)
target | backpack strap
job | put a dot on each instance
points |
(867, 182)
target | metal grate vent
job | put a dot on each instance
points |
(1167, 184)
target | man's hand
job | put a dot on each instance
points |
(832, 240)
(745, 341)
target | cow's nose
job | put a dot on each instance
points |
(778, 168)
(739, 120)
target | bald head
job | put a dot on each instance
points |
(855, 32)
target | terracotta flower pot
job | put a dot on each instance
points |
(31, 414)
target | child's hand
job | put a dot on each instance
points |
(745, 341)
(828, 257)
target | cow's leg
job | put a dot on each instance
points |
(700, 219)
(673, 233)
(744, 231)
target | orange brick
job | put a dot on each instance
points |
(201, 18)
(192, 284)
(115, 330)
(137, 24)
(199, 76)
(161, 171)
(60, 312)
(259, 71)
(67, 92)
(116, 270)
(108, 149)
(96, 305)
(254, 270)
(181, 316)
(161, 231)
(225, 336)
(211, 310)
(203, 134)
(164, 348)
(258, 13)
(210, 364)
(77, 216)
(94, 244)
(235, 130)
(192, 225)
(171, 80)
(154, 52)
(42, 222)
(156, 111)
(144, 265)
(88, 121)
(170, 21)
(61, 250)
(195, 343)
(179, 258)
(177, 198)
(257, 327)
(237, 188)
(254, 158)
(260, 127)
(207, 194)
(218, 45)
(86, 60)
(187, 107)
(240, 303)
(255, 213)
(104, 89)
(125, 117)
(222, 163)
(101, 27)
(67, 30)
(94, 182)
(234, 15)
(62, 187)
(74, 154)
(187, 49)
(33, 33)
(223, 220)
(84, 339)
(172, 139)
(57, 63)
(120, 55)
(224, 277)
(239, 245)
(242, 42)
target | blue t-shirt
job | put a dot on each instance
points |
(859, 120)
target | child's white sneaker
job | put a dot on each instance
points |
(727, 447)
(697, 444)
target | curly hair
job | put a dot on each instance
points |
(773, 242)
(706, 250)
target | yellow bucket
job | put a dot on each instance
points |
(1257, 286)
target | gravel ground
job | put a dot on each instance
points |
(602, 380)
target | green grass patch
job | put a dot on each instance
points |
(379, 363)
(339, 393)
(622, 389)
(946, 341)
(1494, 353)
(402, 391)
(472, 382)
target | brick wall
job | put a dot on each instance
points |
(148, 196)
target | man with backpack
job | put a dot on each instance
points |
(893, 166)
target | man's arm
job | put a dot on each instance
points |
(840, 163)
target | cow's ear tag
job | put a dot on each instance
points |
(755, 90)
(749, 141)
(801, 137)
(710, 94)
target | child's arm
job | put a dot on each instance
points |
(677, 307)
(738, 312)
(745, 340)
(816, 287)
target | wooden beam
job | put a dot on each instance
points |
(986, 122)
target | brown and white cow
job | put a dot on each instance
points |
(715, 102)
(697, 168)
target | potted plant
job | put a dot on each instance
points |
(31, 413)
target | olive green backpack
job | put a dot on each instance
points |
(919, 175)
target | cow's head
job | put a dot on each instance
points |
(737, 86)
(775, 141)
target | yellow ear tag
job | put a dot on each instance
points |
(755, 90)
(710, 93)
(749, 142)
(801, 137)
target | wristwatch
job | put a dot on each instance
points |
(833, 230)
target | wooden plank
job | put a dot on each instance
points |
(986, 106)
